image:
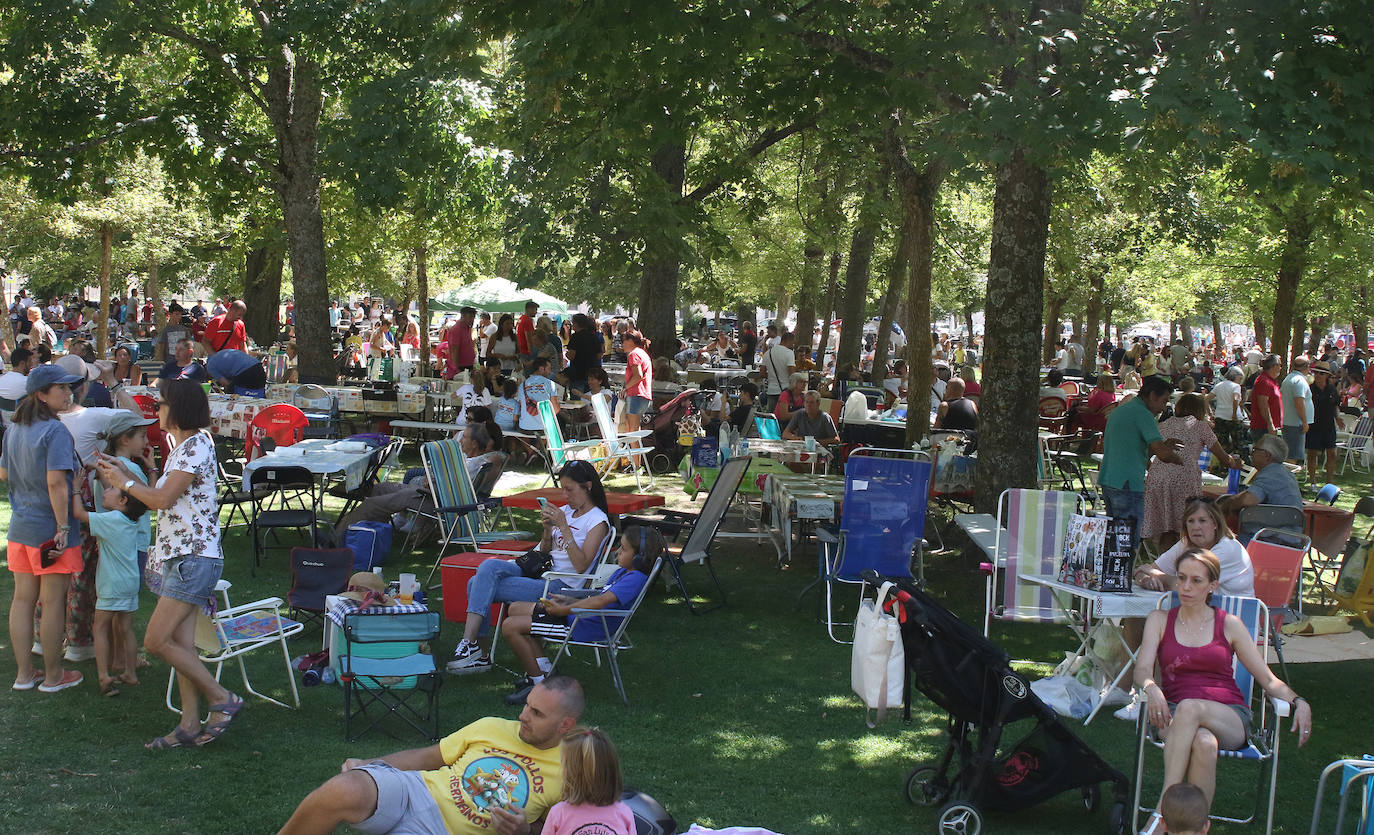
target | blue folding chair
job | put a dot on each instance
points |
(768, 427)
(882, 523)
(1264, 731)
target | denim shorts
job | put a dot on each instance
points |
(1243, 711)
(190, 579)
(404, 803)
(636, 405)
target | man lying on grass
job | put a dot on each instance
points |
(497, 775)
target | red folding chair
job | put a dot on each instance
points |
(283, 423)
(1276, 556)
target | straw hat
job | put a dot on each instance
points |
(364, 584)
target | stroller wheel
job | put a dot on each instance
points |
(926, 787)
(960, 818)
(661, 464)
(1119, 821)
(1092, 796)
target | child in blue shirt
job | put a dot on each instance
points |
(116, 584)
(507, 406)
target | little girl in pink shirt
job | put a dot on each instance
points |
(591, 788)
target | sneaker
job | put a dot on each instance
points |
(1116, 697)
(469, 659)
(70, 679)
(522, 690)
(77, 654)
(1130, 712)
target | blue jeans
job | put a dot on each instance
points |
(501, 580)
(1126, 504)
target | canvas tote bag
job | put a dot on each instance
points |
(878, 664)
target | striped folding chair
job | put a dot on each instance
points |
(1030, 538)
(461, 514)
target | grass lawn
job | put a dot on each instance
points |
(740, 716)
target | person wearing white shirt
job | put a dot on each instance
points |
(12, 382)
(778, 362)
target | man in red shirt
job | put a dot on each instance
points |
(1266, 404)
(524, 326)
(226, 330)
(462, 352)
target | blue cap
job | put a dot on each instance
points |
(49, 375)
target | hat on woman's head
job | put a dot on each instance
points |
(76, 366)
(49, 375)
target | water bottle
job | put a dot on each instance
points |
(327, 676)
(743, 447)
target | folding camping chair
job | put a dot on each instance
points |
(703, 527)
(381, 458)
(287, 484)
(628, 445)
(234, 632)
(321, 410)
(388, 662)
(1276, 556)
(317, 573)
(1356, 448)
(1264, 732)
(768, 427)
(609, 637)
(557, 450)
(882, 524)
(283, 423)
(1258, 516)
(459, 511)
(1031, 525)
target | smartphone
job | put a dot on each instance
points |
(543, 502)
(46, 552)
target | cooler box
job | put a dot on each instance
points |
(454, 572)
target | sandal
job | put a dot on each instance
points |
(181, 738)
(214, 730)
(109, 689)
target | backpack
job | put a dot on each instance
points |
(370, 543)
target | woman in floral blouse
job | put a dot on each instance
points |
(187, 552)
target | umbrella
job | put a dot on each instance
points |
(495, 295)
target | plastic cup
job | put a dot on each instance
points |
(407, 588)
(206, 388)
(810, 441)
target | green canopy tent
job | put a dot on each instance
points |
(495, 295)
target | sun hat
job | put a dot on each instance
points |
(76, 366)
(365, 587)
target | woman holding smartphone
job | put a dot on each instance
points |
(573, 534)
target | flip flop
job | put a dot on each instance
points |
(214, 730)
(33, 682)
(182, 738)
(108, 689)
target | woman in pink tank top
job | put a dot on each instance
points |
(1185, 670)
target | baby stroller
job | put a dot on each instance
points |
(667, 423)
(972, 680)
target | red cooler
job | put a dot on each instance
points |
(454, 572)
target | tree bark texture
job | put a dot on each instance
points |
(1292, 262)
(813, 292)
(1261, 331)
(155, 299)
(1299, 332)
(1217, 338)
(421, 254)
(1008, 410)
(1314, 336)
(102, 321)
(832, 290)
(896, 287)
(854, 305)
(1092, 311)
(662, 269)
(262, 275)
(1053, 310)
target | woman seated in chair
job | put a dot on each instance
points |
(573, 534)
(1195, 703)
(1203, 528)
(640, 547)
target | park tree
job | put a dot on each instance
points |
(249, 88)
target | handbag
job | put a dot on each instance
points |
(534, 563)
(878, 664)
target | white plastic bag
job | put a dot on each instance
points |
(1066, 695)
(878, 664)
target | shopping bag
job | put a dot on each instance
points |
(1082, 550)
(878, 664)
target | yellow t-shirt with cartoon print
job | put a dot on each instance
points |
(489, 765)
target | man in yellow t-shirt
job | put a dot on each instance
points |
(495, 775)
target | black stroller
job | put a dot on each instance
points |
(667, 424)
(971, 678)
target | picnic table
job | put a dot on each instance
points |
(792, 452)
(322, 457)
(230, 414)
(410, 399)
(803, 498)
(617, 503)
(696, 479)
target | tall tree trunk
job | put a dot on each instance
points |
(1218, 339)
(658, 281)
(1261, 333)
(1051, 343)
(853, 307)
(1292, 262)
(1092, 309)
(896, 286)
(1107, 323)
(421, 255)
(294, 100)
(1016, 286)
(102, 322)
(155, 299)
(1360, 327)
(968, 324)
(812, 293)
(262, 276)
(832, 290)
(1185, 332)
(784, 306)
(1314, 336)
(1299, 331)
(1076, 329)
